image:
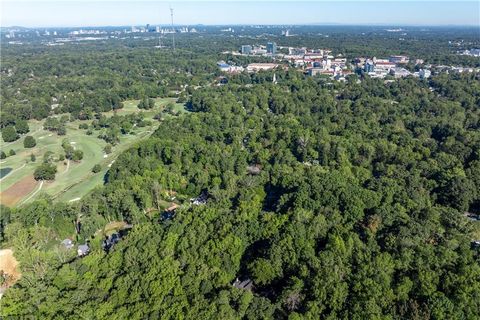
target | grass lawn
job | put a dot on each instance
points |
(73, 179)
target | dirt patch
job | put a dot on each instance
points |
(17, 191)
(112, 227)
(9, 269)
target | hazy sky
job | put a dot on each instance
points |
(121, 13)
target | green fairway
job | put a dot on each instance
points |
(73, 179)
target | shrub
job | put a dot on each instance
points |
(97, 168)
(45, 171)
(29, 142)
(9, 134)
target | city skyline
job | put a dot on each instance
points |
(123, 13)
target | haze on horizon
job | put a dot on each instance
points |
(66, 13)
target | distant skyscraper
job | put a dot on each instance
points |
(369, 66)
(246, 49)
(272, 48)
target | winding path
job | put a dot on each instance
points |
(68, 166)
(34, 193)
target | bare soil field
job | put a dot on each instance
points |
(17, 191)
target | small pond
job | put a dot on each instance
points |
(4, 172)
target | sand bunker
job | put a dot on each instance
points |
(9, 268)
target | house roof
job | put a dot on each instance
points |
(83, 249)
(245, 285)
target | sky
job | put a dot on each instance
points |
(74, 13)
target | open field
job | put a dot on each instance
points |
(73, 179)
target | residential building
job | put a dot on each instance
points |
(247, 284)
(201, 199)
(424, 73)
(83, 250)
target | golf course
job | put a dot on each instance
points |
(73, 178)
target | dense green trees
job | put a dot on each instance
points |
(97, 168)
(71, 153)
(77, 155)
(108, 149)
(9, 134)
(146, 103)
(56, 125)
(337, 200)
(22, 126)
(29, 142)
(46, 171)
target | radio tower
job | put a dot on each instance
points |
(159, 29)
(173, 29)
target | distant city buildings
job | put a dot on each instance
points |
(158, 29)
(380, 67)
(272, 48)
(314, 62)
(87, 32)
(424, 73)
(471, 52)
(225, 67)
(246, 49)
(254, 67)
(398, 59)
(399, 72)
(297, 51)
(369, 66)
